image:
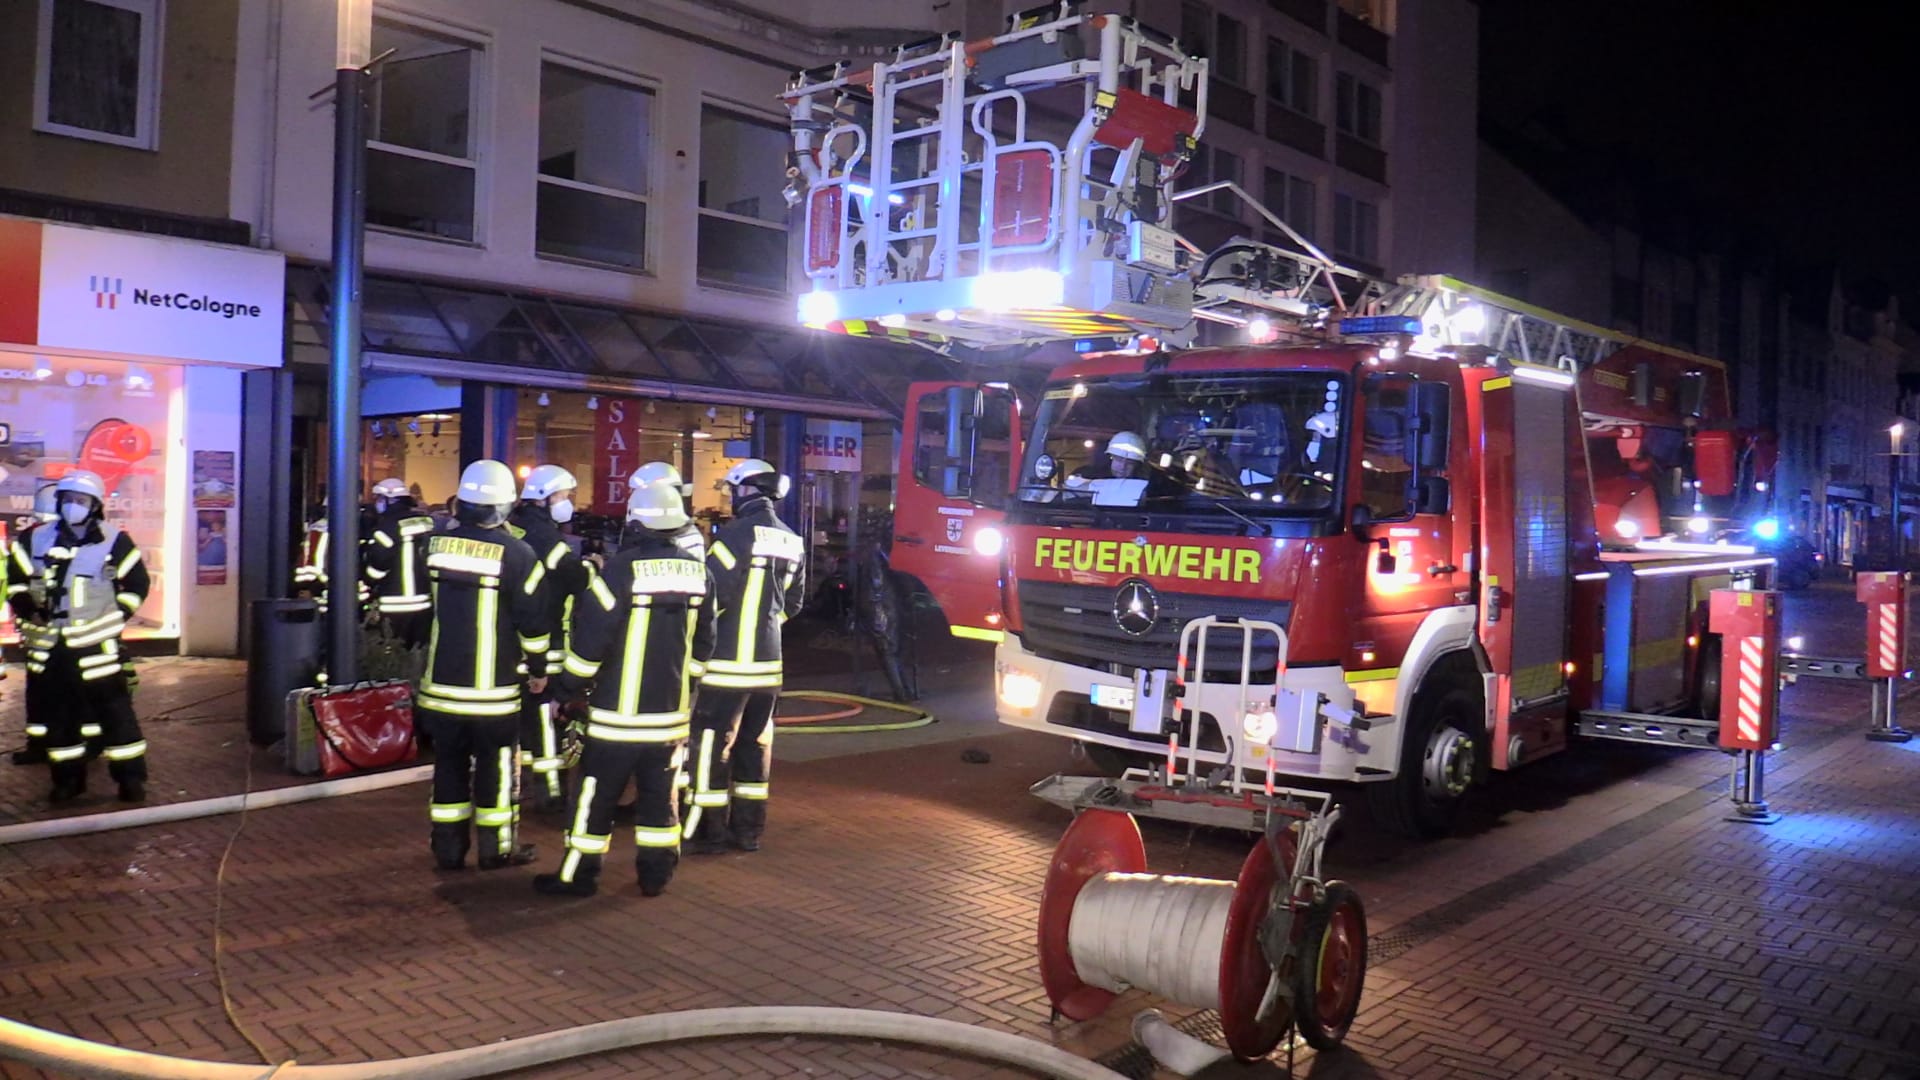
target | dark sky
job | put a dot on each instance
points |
(1795, 125)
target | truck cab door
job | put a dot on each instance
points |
(959, 446)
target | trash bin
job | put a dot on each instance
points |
(285, 657)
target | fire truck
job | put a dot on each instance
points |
(1274, 518)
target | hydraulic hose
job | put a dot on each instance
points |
(800, 724)
(78, 1057)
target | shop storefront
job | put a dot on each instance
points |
(123, 354)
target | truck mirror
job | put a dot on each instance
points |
(1431, 406)
(1361, 517)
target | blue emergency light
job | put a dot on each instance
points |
(1100, 344)
(1767, 529)
(1381, 324)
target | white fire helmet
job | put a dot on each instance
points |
(391, 488)
(659, 473)
(46, 504)
(658, 507)
(1125, 444)
(748, 472)
(487, 483)
(546, 480)
(84, 482)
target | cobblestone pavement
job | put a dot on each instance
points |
(1595, 918)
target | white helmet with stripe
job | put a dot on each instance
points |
(756, 473)
(391, 488)
(1127, 445)
(659, 473)
(546, 480)
(658, 507)
(487, 483)
(84, 483)
(46, 503)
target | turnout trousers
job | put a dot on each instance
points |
(474, 767)
(540, 749)
(732, 753)
(83, 695)
(605, 767)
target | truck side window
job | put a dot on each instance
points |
(930, 440)
(1386, 447)
(992, 449)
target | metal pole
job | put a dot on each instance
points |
(343, 383)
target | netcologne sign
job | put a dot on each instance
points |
(106, 292)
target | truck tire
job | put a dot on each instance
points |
(1439, 761)
(1706, 679)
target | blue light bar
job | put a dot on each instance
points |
(1099, 344)
(1381, 324)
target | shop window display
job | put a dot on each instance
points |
(122, 421)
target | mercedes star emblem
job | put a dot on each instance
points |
(1136, 608)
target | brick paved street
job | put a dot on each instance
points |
(1597, 918)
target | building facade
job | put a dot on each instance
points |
(133, 309)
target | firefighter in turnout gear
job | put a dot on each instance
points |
(489, 609)
(759, 573)
(641, 634)
(687, 537)
(46, 509)
(396, 563)
(310, 576)
(546, 503)
(80, 580)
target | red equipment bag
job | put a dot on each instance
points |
(364, 726)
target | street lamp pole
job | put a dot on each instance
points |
(352, 56)
(1894, 433)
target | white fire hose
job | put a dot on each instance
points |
(78, 1057)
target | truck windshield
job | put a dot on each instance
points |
(1257, 443)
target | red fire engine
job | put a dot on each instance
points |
(1400, 534)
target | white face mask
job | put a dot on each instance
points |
(562, 511)
(76, 513)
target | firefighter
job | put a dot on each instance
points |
(759, 575)
(45, 509)
(1121, 480)
(396, 563)
(879, 613)
(641, 633)
(310, 576)
(546, 503)
(489, 602)
(687, 537)
(83, 579)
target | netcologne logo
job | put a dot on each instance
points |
(106, 292)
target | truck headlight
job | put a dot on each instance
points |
(1019, 690)
(989, 542)
(1259, 724)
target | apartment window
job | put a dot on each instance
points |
(422, 167)
(743, 217)
(1291, 199)
(1357, 108)
(1356, 229)
(596, 143)
(1220, 39)
(98, 71)
(1293, 78)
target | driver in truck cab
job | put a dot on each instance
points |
(1122, 479)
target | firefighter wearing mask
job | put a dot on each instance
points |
(80, 580)
(641, 633)
(759, 574)
(396, 563)
(687, 537)
(46, 509)
(546, 503)
(489, 604)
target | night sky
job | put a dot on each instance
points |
(1754, 124)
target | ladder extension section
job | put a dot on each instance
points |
(999, 191)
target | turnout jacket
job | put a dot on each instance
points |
(642, 632)
(489, 609)
(77, 586)
(566, 571)
(396, 560)
(760, 577)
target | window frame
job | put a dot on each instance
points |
(1291, 56)
(750, 115)
(146, 123)
(1306, 225)
(1348, 115)
(641, 84)
(480, 46)
(1354, 204)
(1219, 54)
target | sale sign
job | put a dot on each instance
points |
(616, 453)
(831, 446)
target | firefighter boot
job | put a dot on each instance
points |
(745, 824)
(585, 880)
(655, 869)
(450, 843)
(31, 755)
(69, 782)
(521, 855)
(710, 835)
(133, 791)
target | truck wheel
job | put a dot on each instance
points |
(1332, 967)
(1706, 681)
(1439, 761)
